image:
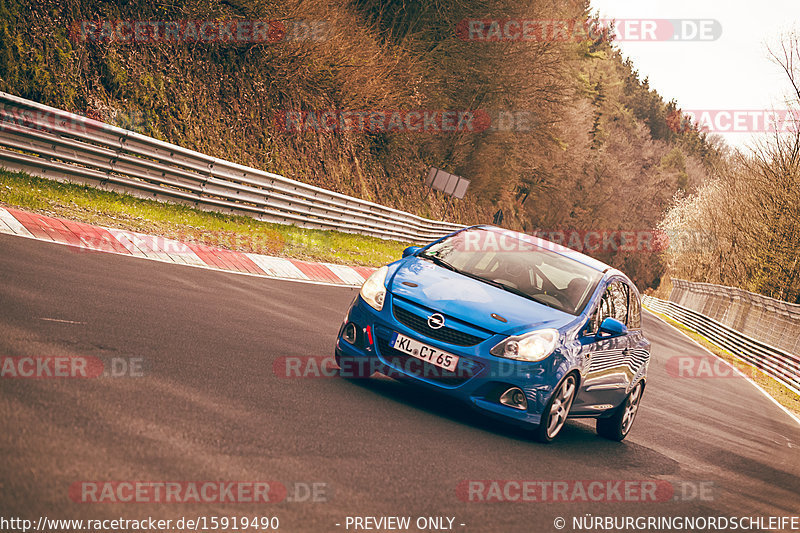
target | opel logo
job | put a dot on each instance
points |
(435, 321)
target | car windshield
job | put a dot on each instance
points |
(517, 266)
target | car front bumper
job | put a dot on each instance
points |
(479, 379)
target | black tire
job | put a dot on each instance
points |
(555, 412)
(353, 367)
(617, 426)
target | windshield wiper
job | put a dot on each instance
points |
(510, 289)
(439, 261)
(497, 284)
(442, 263)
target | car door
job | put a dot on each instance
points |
(606, 371)
(638, 356)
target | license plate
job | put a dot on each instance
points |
(424, 352)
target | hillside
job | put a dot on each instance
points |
(575, 138)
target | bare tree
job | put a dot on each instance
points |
(751, 211)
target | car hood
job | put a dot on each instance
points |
(470, 300)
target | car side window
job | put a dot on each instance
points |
(614, 304)
(619, 295)
(634, 310)
(603, 310)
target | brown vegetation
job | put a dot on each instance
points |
(743, 227)
(597, 152)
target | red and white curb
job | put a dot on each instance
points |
(89, 237)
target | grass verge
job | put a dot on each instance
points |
(104, 208)
(782, 395)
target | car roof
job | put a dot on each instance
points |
(584, 259)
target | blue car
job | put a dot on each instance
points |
(518, 327)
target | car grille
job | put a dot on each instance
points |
(444, 334)
(396, 359)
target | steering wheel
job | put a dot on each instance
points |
(563, 298)
(544, 297)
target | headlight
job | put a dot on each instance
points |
(373, 291)
(533, 346)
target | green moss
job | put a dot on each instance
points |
(113, 75)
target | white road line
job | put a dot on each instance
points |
(740, 373)
(61, 321)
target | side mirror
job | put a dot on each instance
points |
(612, 327)
(411, 250)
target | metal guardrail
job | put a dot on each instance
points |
(775, 322)
(780, 365)
(52, 143)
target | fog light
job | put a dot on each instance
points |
(514, 397)
(349, 334)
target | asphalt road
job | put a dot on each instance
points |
(210, 407)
